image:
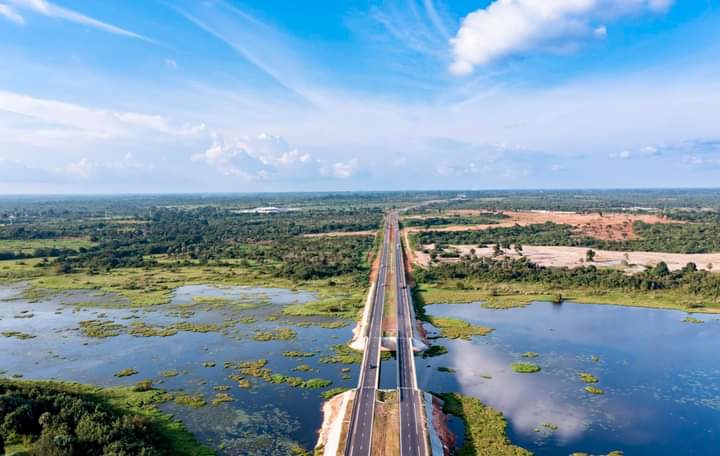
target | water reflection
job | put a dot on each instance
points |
(660, 377)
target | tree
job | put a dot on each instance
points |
(497, 251)
(519, 249)
(590, 255)
(690, 267)
(661, 269)
(2, 445)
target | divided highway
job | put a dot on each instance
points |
(359, 439)
(413, 439)
(412, 424)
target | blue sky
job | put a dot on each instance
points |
(271, 95)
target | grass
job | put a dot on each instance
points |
(140, 287)
(453, 328)
(511, 295)
(332, 392)
(435, 350)
(221, 398)
(275, 334)
(588, 378)
(485, 428)
(342, 355)
(100, 328)
(190, 400)
(28, 246)
(138, 403)
(17, 335)
(594, 390)
(128, 372)
(298, 354)
(525, 368)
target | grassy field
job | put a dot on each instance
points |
(142, 287)
(125, 401)
(509, 295)
(485, 428)
(30, 245)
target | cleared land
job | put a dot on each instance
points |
(573, 257)
(612, 226)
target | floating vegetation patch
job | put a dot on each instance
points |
(140, 329)
(17, 335)
(275, 334)
(595, 358)
(100, 328)
(693, 320)
(525, 368)
(221, 398)
(448, 370)
(126, 372)
(453, 328)
(298, 354)
(208, 364)
(190, 400)
(342, 355)
(530, 355)
(594, 390)
(314, 383)
(435, 350)
(169, 373)
(303, 368)
(24, 314)
(588, 378)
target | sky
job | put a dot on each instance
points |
(176, 96)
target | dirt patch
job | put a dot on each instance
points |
(386, 425)
(342, 234)
(334, 413)
(440, 423)
(573, 257)
(610, 227)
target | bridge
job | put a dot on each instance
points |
(413, 434)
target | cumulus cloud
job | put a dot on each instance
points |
(508, 27)
(262, 157)
(340, 170)
(10, 14)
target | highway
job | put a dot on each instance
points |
(412, 424)
(359, 438)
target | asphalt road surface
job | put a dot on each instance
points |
(412, 424)
(359, 439)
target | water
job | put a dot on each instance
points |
(660, 377)
(266, 419)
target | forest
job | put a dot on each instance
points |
(508, 270)
(68, 420)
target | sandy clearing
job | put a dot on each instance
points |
(342, 234)
(573, 257)
(609, 226)
(334, 413)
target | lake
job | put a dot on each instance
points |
(660, 376)
(266, 419)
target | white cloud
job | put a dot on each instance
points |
(507, 27)
(54, 120)
(172, 64)
(51, 10)
(82, 168)
(10, 14)
(261, 157)
(623, 155)
(340, 170)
